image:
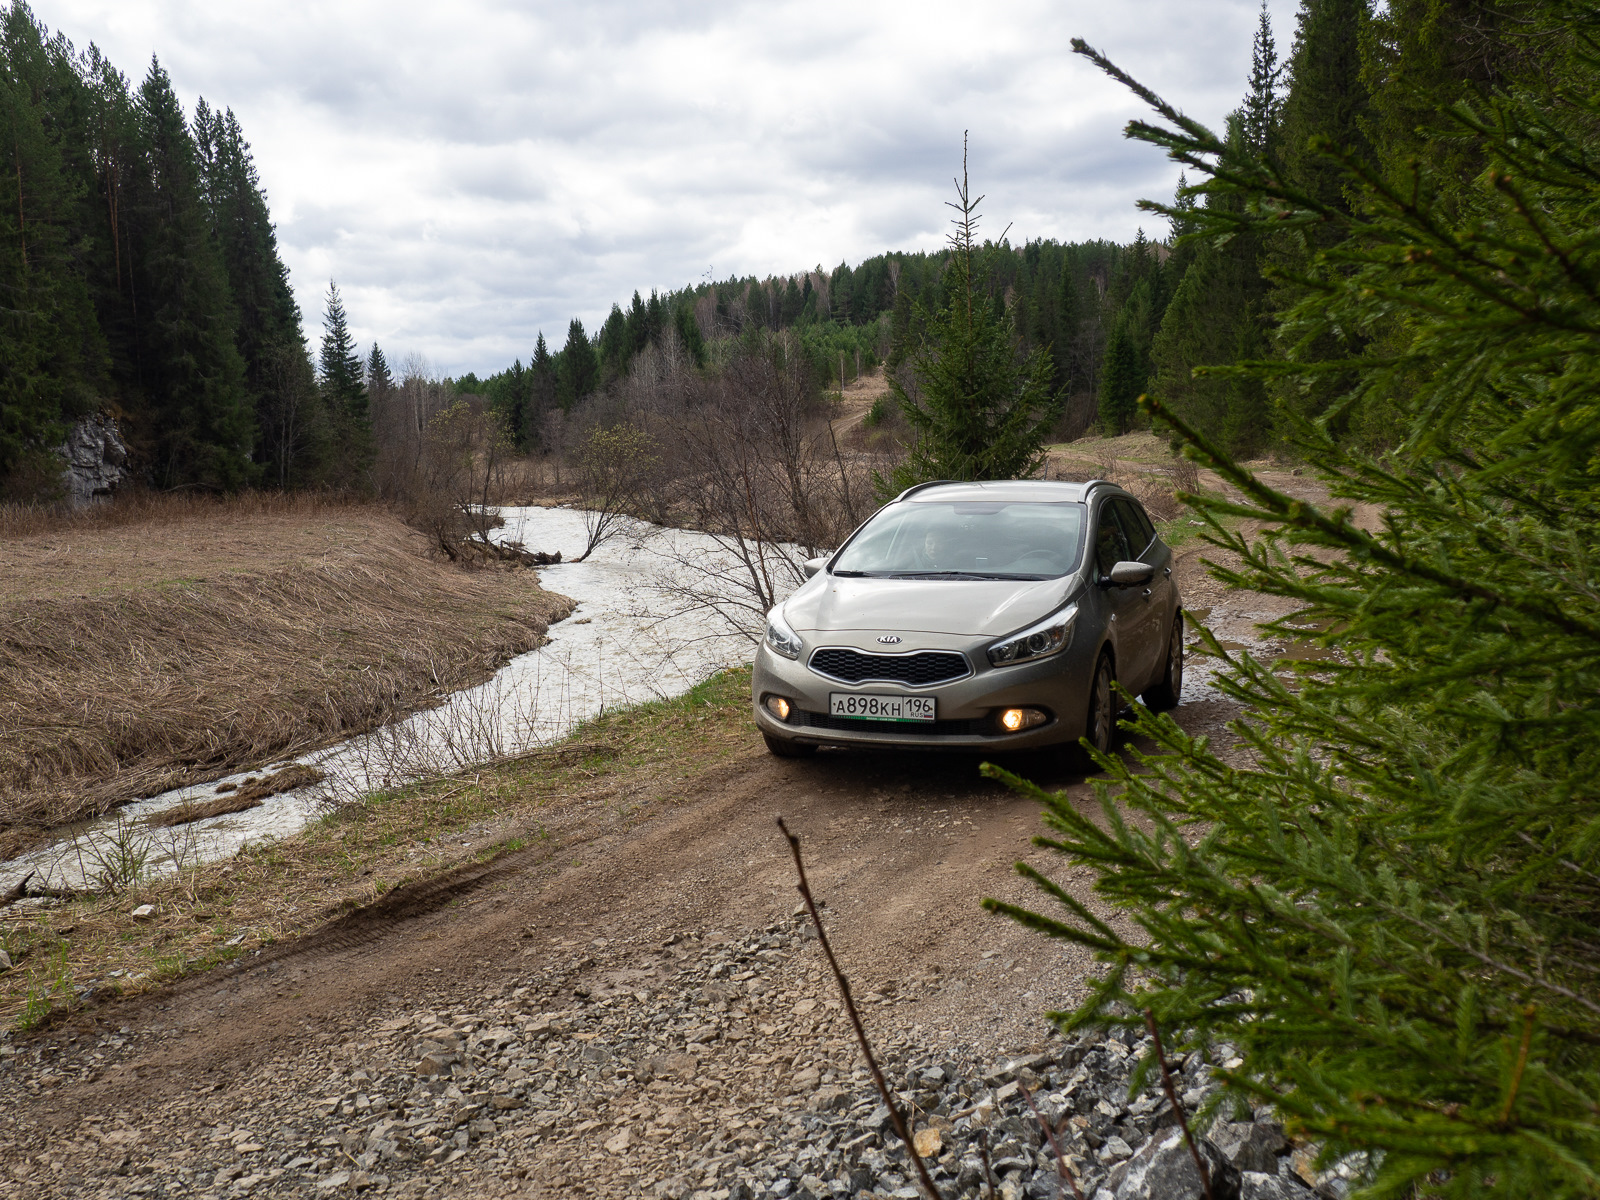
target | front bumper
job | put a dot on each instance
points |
(966, 709)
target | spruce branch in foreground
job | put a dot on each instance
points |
(1385, 895)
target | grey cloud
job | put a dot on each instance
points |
(472, 173)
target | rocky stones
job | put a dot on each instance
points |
(618, 1143)
(1250, 1146)
(94, 460)
(1256, 1185)
(829, 1099)
(145, 912)
(680, 1067)
(1164, 1169)
(531, 1082)
(437, 1062)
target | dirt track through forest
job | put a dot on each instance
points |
(901, 847)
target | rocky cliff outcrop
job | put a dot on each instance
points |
(96, 460)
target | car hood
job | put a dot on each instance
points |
(965, 607)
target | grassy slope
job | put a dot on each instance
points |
(199, 637)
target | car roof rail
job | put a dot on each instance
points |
(917, 487)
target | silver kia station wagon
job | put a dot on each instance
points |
(975, 616)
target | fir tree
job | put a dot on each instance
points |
(269, 326)
(978, 411)
(1389, 915)
(689, 334)
(52, 358)
(577, 369)
(543, 388)
(1121, 381)
(344, 394)
(194, 406)
(1261, 105)
(379, 380)
(1328, 102)
(616, 344)
(1218, 317)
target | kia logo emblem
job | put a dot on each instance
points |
(890, 639)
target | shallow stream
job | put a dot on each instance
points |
(635, 636)
(647, 627)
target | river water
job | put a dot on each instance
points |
(644, 629)
(658, 612)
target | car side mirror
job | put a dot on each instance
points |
(1131, 574)
(813, 565)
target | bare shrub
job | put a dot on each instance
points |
(1184, 474)
(449, 497)
(614, 470)
(1104, 457)
(1155, 493)
(761, 474)
(401, 418)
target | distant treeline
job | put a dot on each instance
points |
(1073, 299)
(1168, 316)
(139, 274)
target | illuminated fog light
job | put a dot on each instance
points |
(1013, 720)
(778, 707)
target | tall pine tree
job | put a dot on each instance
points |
(192, 402)
(980, 409)
(578, 369)
(543, 388)
(344, 395)
(52, 357)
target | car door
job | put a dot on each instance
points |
(1125, 604)
(1146, 614)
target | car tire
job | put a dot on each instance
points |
(1169, 688)
(1100, 725)
(783, 749)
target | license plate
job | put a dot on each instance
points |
(868, 707)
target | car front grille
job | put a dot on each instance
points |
(919, 669)
(903, 728)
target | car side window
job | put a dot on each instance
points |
(1110, 542)
(1137, 525)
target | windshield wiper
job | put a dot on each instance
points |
(961, 575)
(850, 574)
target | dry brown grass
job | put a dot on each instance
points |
(138, 655)
(145, 508)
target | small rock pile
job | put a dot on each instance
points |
(695, 1067)
(1020, 1126)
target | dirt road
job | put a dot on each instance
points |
(587, 1065)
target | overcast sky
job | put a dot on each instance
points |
(476, 171)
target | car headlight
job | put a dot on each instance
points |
(780, 637)
(1050, 636)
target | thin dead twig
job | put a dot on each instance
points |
(1049, 1131)
(1172, 1099)
(900, 1125)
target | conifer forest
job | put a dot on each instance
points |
(1366, 326)
(140, 265)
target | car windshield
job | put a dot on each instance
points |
(983, 539)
